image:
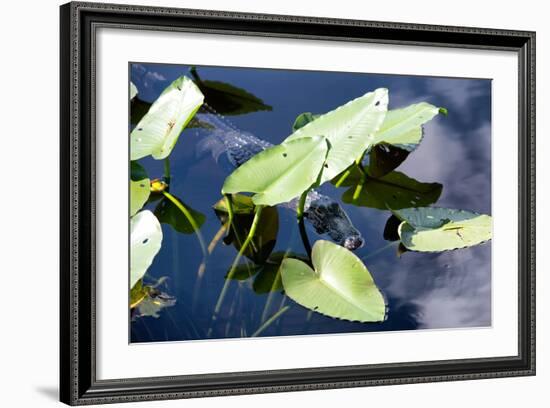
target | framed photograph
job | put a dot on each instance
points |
(262, 203)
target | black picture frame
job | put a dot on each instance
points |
(78, 382)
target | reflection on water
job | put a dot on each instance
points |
(423, 290)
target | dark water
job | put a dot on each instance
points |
(424, 291)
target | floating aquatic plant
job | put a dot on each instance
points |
(145, 243)
(339, 285)
(158, 131)
(280, 173)
(350, 130)
(430, 229)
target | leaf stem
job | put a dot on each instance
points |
(346, 174)
(343, 177)
(361, 183)
(231, 272)
(167, 173)
(190, 218)
(269, 321)
(301, 226)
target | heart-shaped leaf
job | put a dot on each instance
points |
(145, 243)
(350, 130)
(339, 286)
(432, 229)
(158, 131)
(280, 173)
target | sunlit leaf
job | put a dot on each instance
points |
(145, 243)
(350, 130)
(432, 229)
(133, 90)
(394, 190)
(158, 131)
(402, 128)
(280, 173)
(139, 187)
(339, 286)
(269, 277)
(139, 194)
(265, 237)
(139, 108)
(168, 213)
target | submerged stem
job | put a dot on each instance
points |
(231, 272)
(360, 185)
(269, 321)
(167, 173)
(301, 226)
(190, 218)
(346, 174)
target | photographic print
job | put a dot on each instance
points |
(271, 202)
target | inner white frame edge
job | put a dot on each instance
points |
(117, 359)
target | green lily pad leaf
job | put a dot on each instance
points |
(280, 173)
(383, 158)
(339, 286)
(168, 213)
(269, 277)
(303, 119)
(432, 229)
(139, 187)
(350, 130)
(158, 131)
(145, 243)
(137, 293)
(138, 109)
(139, 194)
(394, 190)
(133, 90)
(137, 171)
(265, 237)
(391, 229)
(227, 99)
(402, 128)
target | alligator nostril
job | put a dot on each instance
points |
(353, 243)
